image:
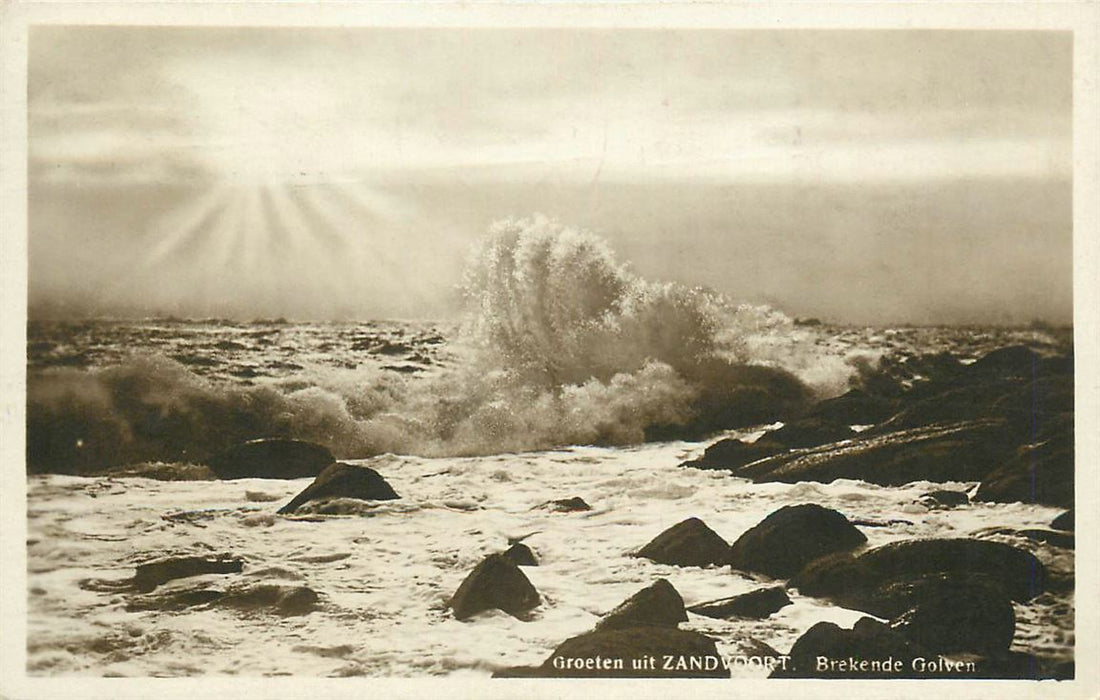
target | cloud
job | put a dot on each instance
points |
(252, 104)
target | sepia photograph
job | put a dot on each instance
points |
(491, 352)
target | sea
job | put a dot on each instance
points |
(567, 376)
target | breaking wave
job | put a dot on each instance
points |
(561, 344)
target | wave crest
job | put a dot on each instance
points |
(561, 345)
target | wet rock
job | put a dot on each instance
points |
(615, 653)
(1028, 399)
(732, 453)
(974, 618)
(869, 650)
(956, 452)
(520, 555)
(688, 543)
(659, 604)
(810, 432)
(495, 583)
(1063, 521)
(854, 408)
(1041, 473)
(1054, 538)
(566, 505)
(944, 499)
(287, 601)
(341, 480)
(952, 404)
(174, 601)
(791, 537)
(755, 604)
(1015, 361)
(854, 581)
(152, 574)
(271, 459)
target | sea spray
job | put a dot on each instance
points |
(561, 344)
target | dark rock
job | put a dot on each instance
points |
(1041, 473)
(969, 618)
(756, 604)
(520, 555)
(1054, 538)
(854, 408)
(870, 643)
(688, 543)
(287, 601)
(791, 537)
(853, 581)
(1063, 521)
(152, 574)
(174, 601)
(659, 604)
(945, 498)
(1039, 409)
(952, 404)
(872, 522)
(692, 655)
(873, 650)
(495, 583)
(907, 377)
(271, 459)
(955, 452)
(735, 396)
(731, 453)
(1016, 361)
(566, 505)
(810, 432)
(341, 480)
(938, 367)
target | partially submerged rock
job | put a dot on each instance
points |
(845, 651)
(856, 581)
(341, 480)
(152, 574)
(285, 601)
(756, 604)
(566, 505)
(272, 458)
(732, 453)
(791, 537)
(688, 543)
(1063, 521)
(945, 498)
(854, 408)
(975, 618)
(659, 604)
(520, 555)
(1040, 473)
(964, 451)
(495, 583)
(810, 432)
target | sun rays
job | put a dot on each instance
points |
(300, 248)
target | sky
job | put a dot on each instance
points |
(857, 176)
